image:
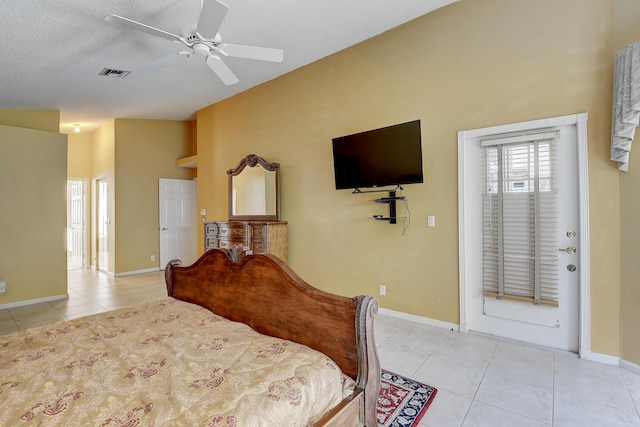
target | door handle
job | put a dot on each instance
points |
(163, 228)
(571, 250)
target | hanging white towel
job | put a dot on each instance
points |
(626, 103)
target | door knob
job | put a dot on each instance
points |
(571, 250)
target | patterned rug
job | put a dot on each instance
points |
(402, 402)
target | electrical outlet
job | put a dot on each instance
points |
(3, 287)
(153, 257)
(383, 290)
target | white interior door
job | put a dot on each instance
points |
(560, 326)
(76, 224)
(178, 221)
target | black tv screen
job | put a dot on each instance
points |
(387, 156)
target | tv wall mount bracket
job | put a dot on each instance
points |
(391, 201)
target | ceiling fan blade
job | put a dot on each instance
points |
(252, 52)
(126, 22)
(222, 70)
(211, 17)
(167, 60)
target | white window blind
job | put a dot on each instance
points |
(520, 218)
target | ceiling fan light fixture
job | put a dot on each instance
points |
(201, 49)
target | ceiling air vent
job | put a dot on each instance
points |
(110, 72)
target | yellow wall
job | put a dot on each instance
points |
(145, 151)
(47, 120)
(470, 65)
(131, 155)
(626, 15)
(33, 219)
(79, 155)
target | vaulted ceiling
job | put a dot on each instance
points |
(53, 51)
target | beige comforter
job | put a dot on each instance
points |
(162, 363)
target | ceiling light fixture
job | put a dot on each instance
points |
(76, 127)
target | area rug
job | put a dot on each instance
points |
(402, 402)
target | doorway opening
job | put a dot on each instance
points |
(102, 226)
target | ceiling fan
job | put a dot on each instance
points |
(206, 42)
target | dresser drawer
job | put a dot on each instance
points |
(257, 247)
(257, 231)
(227, 243)
(232, 231)
(210, 242)
(210, 229)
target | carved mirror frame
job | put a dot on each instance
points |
(253, 161)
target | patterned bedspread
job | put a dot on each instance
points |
(162, 363)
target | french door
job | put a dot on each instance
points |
(524, 232)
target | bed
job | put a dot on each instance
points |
(240, 340)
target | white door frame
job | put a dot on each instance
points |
(464, 255)
(100, 219)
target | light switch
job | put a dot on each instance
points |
(203, 212)
(431, 221)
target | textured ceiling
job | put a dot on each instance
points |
(52, 51)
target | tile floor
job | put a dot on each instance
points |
(485, 382)
(90, 292)
(481, 381)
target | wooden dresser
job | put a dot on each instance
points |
(268, 237)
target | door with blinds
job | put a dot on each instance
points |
(526, 283)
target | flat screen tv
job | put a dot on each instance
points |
(387, 156)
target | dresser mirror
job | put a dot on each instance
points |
(254, 190)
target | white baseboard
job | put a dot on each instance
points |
(131, 273)
(605, 358)
(630, 366)
(419, 319)
(615, 361)
(32, 301)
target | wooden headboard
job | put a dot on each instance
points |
(263, 292)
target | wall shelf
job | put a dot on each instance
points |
(391, 201)
(188, 162)
(388, 199)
